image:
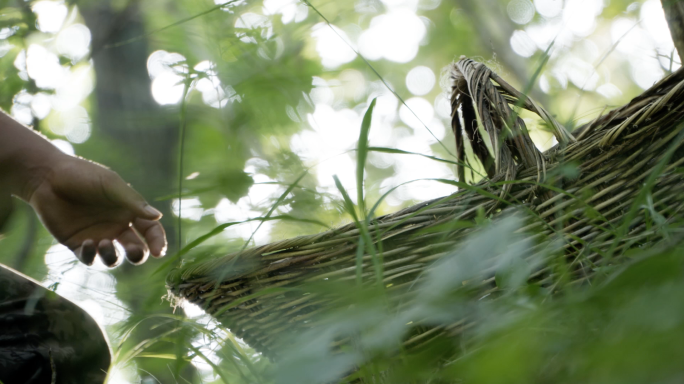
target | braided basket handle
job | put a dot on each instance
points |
(481, 102)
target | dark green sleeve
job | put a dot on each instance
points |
(45, 338)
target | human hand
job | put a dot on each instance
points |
(87, 206)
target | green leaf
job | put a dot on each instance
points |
(348, 203)
(363, 228)
(467, 263)
(217, 230)
(359, 260)
(512, 271)
(362, 155)
(402, 152)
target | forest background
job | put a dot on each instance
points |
(213, 109)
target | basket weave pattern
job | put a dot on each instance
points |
(615, 154)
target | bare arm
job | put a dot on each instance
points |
(83, 204)
(24, 155)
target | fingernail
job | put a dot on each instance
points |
(162, 253)
(135, 255)
(88, 252)
(150, 210)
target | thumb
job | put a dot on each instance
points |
(122, 193)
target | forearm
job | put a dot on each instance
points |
(25, 157)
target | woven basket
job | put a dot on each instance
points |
(615, 155)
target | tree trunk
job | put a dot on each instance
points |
(674, 13)
(140, 131)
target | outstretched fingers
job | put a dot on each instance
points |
(110, 241)
(135, 248)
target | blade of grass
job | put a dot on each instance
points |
(165, 356)
(363, 229)
(236, 349)
(362, 155)
(234, 356)
(220, 228)
(402, 152)
(348, 204)
(207, 360)
(359, 261)
(181, 155)
(143, 345)
(213, 188)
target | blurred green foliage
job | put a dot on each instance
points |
(233, 161)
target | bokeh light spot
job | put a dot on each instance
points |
(520, 11)
(580, 16)
(167, 89)
(43, 67)
(165, 69)
(50, 15)
(394, 36)
(609, 91)
(549, 8)
(417, 113)
(332, 45)
(160, 62)
(74, 41)
(522, 44)
(443, 106)
(188, 208)
(420, 80)
(40, 105)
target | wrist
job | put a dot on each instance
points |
(33, 168)
(26, 159)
